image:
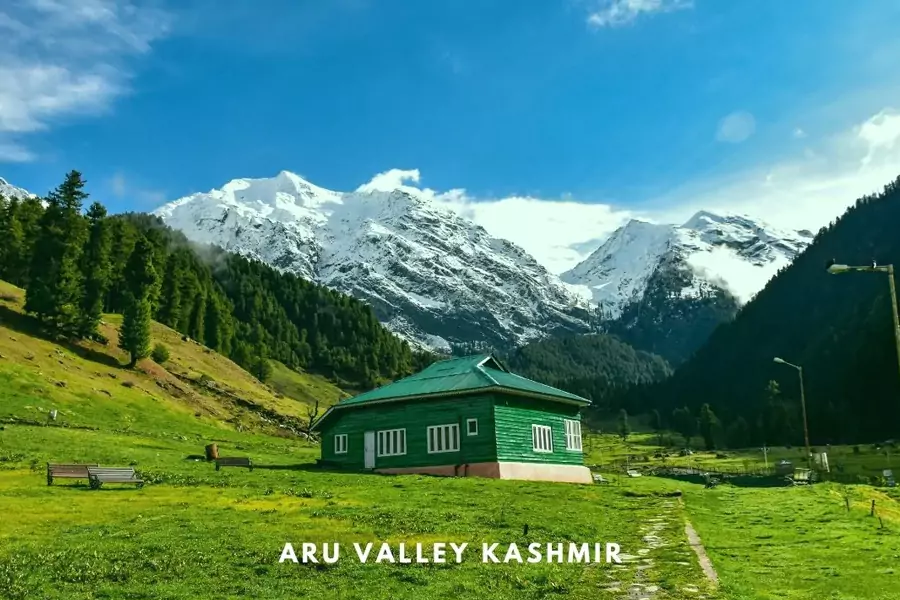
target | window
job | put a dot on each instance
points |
(392, 442)
(573, 435)
(541, 438)
(471, 426)
(340, 443)
(443, 438)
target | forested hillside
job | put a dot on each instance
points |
(76, 265)
(837, 327)
(598, 366)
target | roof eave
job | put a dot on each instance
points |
(494, 388)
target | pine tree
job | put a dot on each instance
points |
(54, 292)
(656, 424)
(134, 337)
(708, 426)
(738, 433)
(212, 323)
(140, 279)
(198, 313)
(170, 296)
(94, 271)
(685, 424)
(12, 249)
(624, 429)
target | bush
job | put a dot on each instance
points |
(160, 354)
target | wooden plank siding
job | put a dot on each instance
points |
(415, 417)
(514, 417)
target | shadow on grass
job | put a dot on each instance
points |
(28, 325)
(297, 467)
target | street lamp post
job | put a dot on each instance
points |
(836, 269)
(803, 406)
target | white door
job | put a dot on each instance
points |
(369, 448)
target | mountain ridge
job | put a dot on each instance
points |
(440, 280)
(432, 276)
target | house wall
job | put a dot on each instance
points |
(514, 417)
(415, 417)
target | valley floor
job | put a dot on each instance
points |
(193, 533)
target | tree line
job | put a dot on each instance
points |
(838, 328)
(77, 264)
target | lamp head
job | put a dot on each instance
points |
(779, 361)
(834, 268)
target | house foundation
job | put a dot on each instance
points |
(503, 470)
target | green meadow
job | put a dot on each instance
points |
(194, 533)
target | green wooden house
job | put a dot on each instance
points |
(463, 417)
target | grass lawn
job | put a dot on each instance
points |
(800, 543)
(195, 533)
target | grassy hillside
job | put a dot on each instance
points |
(195, 389)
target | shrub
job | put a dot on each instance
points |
(160, 354)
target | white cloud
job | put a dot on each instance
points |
(799, 133)
(736, 127)
(61, 58)
(12, 152)
(805, 192)
(808, 191)
(881, 133)
(390, 180)
(615, 13)
(123, 188)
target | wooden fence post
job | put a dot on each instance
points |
(872, 512)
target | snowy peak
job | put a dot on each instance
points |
(8, 190)
(735, 253)
(431, 275)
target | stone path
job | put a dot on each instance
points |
(652, 532)
(705, 563)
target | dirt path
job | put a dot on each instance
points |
(697, 545)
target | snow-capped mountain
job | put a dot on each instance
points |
(430, 275)
(8, 190)
(736, 253)
(666, 287)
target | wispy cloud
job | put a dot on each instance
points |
(616, 13)
(804, 192)
(138, 196)
(62, 58)
(736, 127)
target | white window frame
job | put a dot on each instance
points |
(573, 435)
(340, 443)
(469, 428)
(542, 439)
(442, 438)
(391, 442)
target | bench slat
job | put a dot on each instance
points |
(101, 475)
(67, 471)
(234, 461)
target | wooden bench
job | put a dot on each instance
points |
(100, 475)
(235, 461)
(66, 472)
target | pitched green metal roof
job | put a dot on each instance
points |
(454, 376)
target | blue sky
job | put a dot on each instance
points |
(630, 106)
